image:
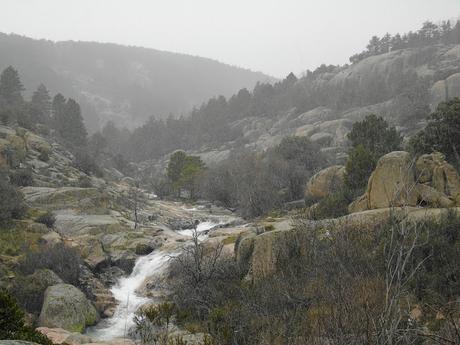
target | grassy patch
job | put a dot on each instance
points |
(15, 236)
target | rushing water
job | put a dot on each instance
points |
(125, 291)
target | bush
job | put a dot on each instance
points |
(360, 164)
(87, 164)
(29, 293)
(11, 201)
(84, 182)
(47, 218)
(12, 322)
(22, 177)
(4, 118)
(62, 260)
(332, 206)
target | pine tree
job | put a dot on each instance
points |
(11, 87)
(74, 130)
(68, 122)
(41, 105)
(57, 111)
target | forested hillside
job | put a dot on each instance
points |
(401, 78)
(120, 83)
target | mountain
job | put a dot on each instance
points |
(122, 83)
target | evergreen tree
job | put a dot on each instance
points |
(41, 105)
(74, 128)
(11, 87)
(176, 163)
(11, 316)
(57, 111)
(68, 121)
(442, 133)
(12, 325)
(375, 135)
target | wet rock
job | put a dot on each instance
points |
(97, 292)
(144, 249)
(125, 261)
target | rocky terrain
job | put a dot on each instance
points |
(96, 217)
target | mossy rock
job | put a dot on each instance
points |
(66, 307)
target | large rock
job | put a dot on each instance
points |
(395, 182)
(16, 342)
(425, 165)
(46, 277)
(446, 180)
(429, 196)
(440, 175)
(66, 307)
(392, 182)
(325, 182)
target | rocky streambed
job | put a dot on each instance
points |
(129, 292)
(123, 263)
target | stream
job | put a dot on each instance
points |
(125, 290)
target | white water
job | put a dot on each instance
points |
(125, 291)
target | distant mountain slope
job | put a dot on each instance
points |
(121, 83)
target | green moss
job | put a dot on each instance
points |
(230, 240)
(34, 212)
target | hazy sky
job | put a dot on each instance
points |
(272, 36)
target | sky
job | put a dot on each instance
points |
(272, 36)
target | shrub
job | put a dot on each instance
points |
(87, 164)
(12, 322)
(47, 218)
(62, 260)
(22, 177)
(84, 182)
(11, 201)
(24, 120)
(4, 118)
(360, 164)
(29, 293)
(333, 206)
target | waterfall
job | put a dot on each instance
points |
(125, 291)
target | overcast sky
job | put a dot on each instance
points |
(272, 36)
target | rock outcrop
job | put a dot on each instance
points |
(325, 182)
(392, 182)
(399, 181)
(66, 307)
